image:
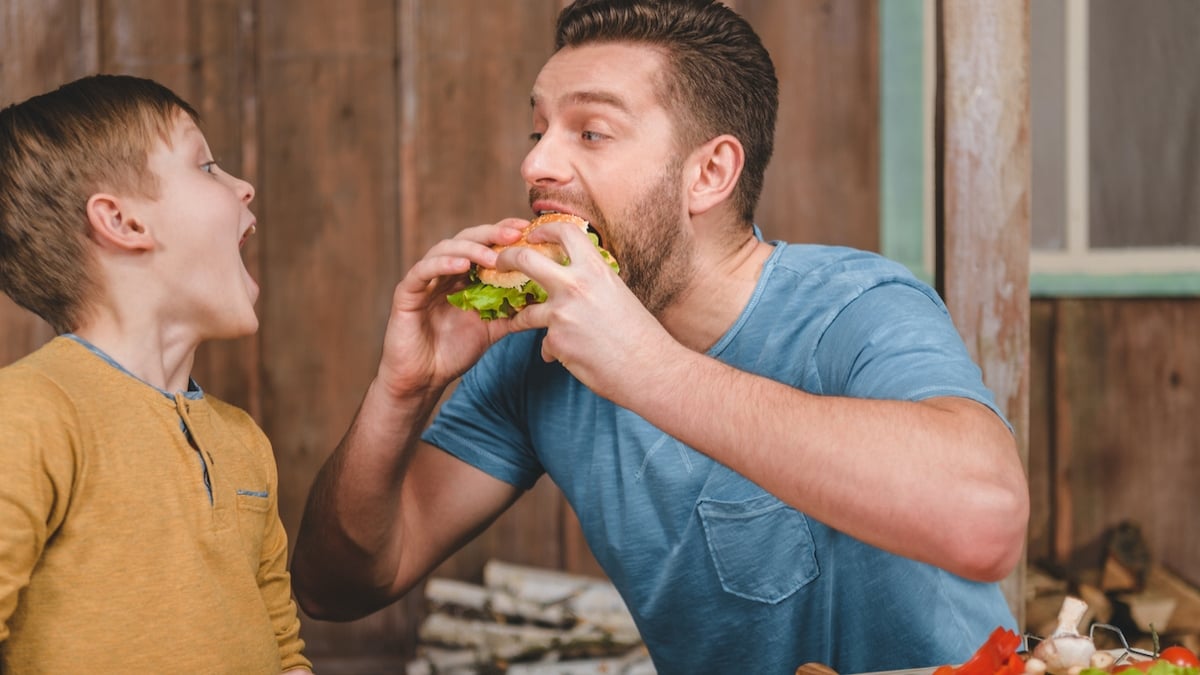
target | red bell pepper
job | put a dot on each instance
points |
(997, 656)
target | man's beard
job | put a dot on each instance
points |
(649, 240)
(655, 250)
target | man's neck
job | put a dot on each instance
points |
(717, 295)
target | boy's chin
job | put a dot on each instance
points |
(251, 286)
(242, 325)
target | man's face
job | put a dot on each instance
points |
(199, 219)
(605, 150)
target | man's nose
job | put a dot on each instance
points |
(545, 164)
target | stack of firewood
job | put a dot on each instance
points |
(527, 621)
(1130, 591)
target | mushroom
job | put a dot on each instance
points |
(1066, 648)
(1102, 661)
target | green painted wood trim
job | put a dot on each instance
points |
(902, 171)
(902, 133)
(1182, 284)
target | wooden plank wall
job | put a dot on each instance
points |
(1114, 429)
(373, 128)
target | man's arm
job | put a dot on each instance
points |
(386, 508)
(938, 481)
(379, 520)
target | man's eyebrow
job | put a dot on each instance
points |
(588, 97)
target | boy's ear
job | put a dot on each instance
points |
(114, 225)
(716, 170)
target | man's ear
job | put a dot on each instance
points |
(114, 225)
(717, 166)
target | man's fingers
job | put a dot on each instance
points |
(570, 236)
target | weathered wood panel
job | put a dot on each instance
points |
(328, 209)
(1127, 383)
(983, 219)
(823, 182)
(1041, 430)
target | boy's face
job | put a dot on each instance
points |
(199, 220)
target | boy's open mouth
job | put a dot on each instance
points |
(247, 234)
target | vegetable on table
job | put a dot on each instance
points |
(1179, 656)
(997, 656)
(1066, 648)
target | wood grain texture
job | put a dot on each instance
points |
(468, 69)
(1041, 429)
(328, 236)
(984, 162)
(822, 185)
(1130, 386)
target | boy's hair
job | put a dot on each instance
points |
(719, 79)
(57, 150)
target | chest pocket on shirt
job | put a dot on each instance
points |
(762, 549)
(253, 509)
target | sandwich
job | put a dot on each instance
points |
(495, 294)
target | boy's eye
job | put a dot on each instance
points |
(209, 167)
(591, 136)
(535, 136)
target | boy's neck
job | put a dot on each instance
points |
(156, 359)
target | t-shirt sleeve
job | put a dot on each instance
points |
(37, 435)
(896, 340)
(481, 422)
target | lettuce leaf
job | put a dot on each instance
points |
(493, 302)
(1158, 668)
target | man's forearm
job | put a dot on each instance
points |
(938, 481)
(348, 546)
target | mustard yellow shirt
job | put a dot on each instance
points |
(139, 531)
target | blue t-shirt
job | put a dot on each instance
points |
(720, 576)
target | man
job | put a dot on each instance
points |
(778, 453)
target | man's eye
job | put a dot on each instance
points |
(591, 136)
(535, 136)
(209, 167)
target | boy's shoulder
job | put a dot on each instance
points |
(48, 367)
(37, 399)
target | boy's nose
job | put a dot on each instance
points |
(244, 190)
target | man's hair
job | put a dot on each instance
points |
(719, 79)
(57, 150)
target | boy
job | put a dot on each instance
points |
(141, 531)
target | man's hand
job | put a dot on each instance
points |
(591, 315)
(429, 342)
